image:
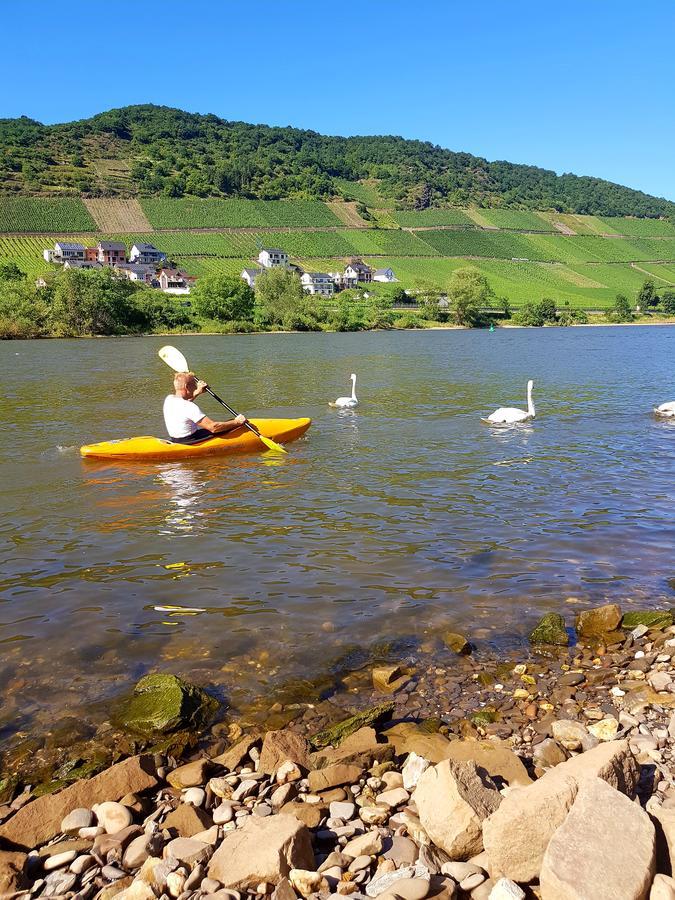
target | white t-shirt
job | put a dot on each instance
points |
(181, 416)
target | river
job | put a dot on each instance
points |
(390, 521)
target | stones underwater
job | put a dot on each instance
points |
(550, 630)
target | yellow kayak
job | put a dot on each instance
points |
(237, 441)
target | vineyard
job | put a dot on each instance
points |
(26, 214)
(164, 213)
(512, 219)
(640, 227)
(430, 217)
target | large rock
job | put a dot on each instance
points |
(650, 618)
(664, 821)
(335, 734)
(495, 757)
(187, 820)
(11, 871)
(517, 834)
(408, 737)
(361, 747)
(550, 630)
(599, 620)
(605, 848)
(164, 703)
(279, 746)
(663, 888)
(41, 819)
(262, 850)
(237, 753)
(333, 776)
(453, 799)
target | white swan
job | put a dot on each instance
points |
(507, 415)
(666, 409)
(347, 402)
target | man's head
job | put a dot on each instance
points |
(184, 385)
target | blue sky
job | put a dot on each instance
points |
(585, 87)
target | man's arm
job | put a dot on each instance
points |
(221, 427)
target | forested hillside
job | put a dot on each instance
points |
(150, 151)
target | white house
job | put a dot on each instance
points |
(64, 251)
(136, 272)
(356, 268)
(146, 254)
(175, 281)
(250, 275)
(318, 283)
(271, 257)
(384, 275)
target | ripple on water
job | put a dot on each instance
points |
(390, 521)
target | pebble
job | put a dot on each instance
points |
(112, 873)
(112, 816)
(59, 860)
(262, 810)
(472, 881)
(81, 863)
(195, 796)
(78, 818)
(342, 810)
(245, 789)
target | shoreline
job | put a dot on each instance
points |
(519, 716)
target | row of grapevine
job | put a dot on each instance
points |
(523, 220)
(67, 215)
(430, 217)
(164, 213)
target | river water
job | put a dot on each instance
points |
(390, 521)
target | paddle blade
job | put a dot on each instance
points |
(272, 445)
(173, 358)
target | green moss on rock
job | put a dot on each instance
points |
(550, 630)
(162, 704)
(652, 619)
(335, 734)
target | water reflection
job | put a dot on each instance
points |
(184, 490)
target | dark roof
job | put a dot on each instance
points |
(252, 272)
(64, 245)
(273, 250)
(148, 247)
(382, 271)
(112, 245)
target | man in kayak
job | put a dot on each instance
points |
(185, 421)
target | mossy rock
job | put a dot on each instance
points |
(652, 619)
(483, 716)
(550, 630)
(335, 734)
(456, 642)
(162, 704)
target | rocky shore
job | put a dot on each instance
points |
(547, 775)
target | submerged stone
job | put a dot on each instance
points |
(652, 619)
(165, 703)
(599, 620)
(456, 642)
(335, 734)
(550, 630)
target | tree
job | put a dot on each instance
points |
(93, 302)
(647, 295)
(529, 314)
(547, 310)
(668, 301)
(428, 297)
(280, 300)
(222, 297)
(621, 311)
(9, 271)
(469, 294)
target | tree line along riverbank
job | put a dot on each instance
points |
(78, 302)
(548, 774)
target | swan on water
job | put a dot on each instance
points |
(507, 415)
(666, 409)
(347, 402)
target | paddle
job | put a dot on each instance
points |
(175, 360)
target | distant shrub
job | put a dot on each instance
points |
(408, 320)
(573, 317)
(223, 297)
(620, 311)
(668, 302)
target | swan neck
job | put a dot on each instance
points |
(530, 404)
(353, 388)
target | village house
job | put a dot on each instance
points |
(136, 272)
(110, 253)
(270, 258)
(64, 251)
(250, 275)
(384, 275)
(146, 254)
(175, 281)
(356, 268)
(318, 283)
(82, 264)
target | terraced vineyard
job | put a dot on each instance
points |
(212, 213)
(25, 214)
(516, 219)
(425, 218)
(643, 228)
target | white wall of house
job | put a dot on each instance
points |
(272, 258)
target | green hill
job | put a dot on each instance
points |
(151, 151)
